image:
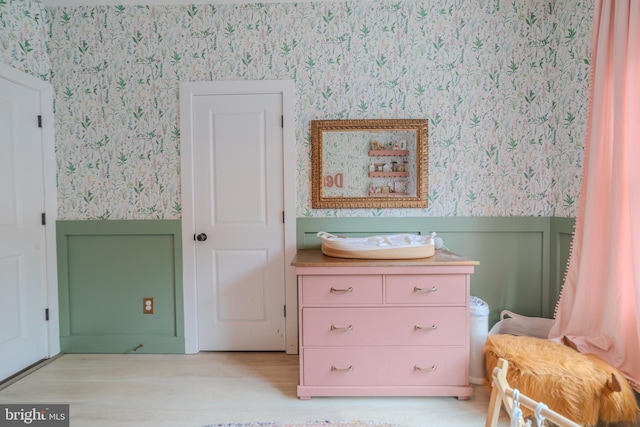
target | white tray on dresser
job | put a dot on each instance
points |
(383, 327)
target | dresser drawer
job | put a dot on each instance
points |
(384, 326)
(338, 289)
(428, 366)
(426, 289)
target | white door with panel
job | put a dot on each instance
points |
(23, 291)
(238, 215)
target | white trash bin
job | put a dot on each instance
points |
(478, 331)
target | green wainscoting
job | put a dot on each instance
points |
(105, 269)
(522, 259)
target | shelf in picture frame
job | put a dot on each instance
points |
(387, 153)
(388, 174)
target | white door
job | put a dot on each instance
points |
(23, 298)
(239, 205)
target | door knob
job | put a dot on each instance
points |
(201, 237)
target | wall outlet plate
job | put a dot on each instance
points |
(148, 305)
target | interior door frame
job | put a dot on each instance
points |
(187, 91)
(50, 201)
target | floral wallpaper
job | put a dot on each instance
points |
(504, 85)
(24, 37)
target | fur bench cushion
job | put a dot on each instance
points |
(582, 387)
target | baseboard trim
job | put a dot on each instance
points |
(27, 371)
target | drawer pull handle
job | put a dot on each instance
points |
(334, 368)
(420, 368)
(431, 289)
(426, 328)
(349, 289)
(348, 328)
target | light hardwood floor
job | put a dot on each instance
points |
(118, 390)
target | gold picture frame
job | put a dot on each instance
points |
(360, 163)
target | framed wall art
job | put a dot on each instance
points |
(369, 163)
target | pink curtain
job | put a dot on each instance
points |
(599, 309)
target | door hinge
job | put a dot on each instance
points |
(282, 121)
(285, 311)
(44, 218)
(283, 217)
(46, 314)
(39, 121)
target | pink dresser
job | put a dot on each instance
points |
(383, 327)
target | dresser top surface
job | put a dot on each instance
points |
(315, 258)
